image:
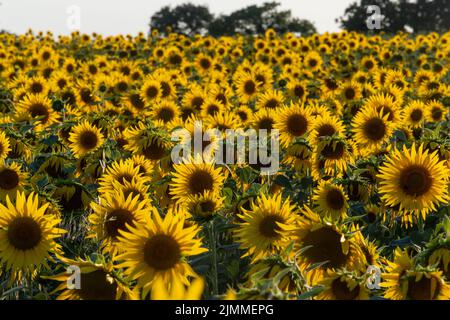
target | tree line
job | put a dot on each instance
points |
(396, 15)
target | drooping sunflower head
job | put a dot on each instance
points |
(85, 138)
(414, 179)
(265, 228)
(97, 282)
(27, 235)
(326, 244)
(343, 285)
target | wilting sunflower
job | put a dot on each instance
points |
(12, 180)
(36, 107)
(331, 200)
(178, 290)
(405, 280)
(326, 244)
(298, 156)
(193, 178)
(98, 281)
(343, 285)
(157, 249)
(440, 256)
(414, 179)
(265, 227)
(371, 129)
(27, 235)
(4, 146)
(113, 213)
(293, 121)
(85, 138)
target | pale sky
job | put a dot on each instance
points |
(110, 17)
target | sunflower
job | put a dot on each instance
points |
(205, 205)
(414, 114)
(350, 92)
(331, 200)
(98, 281)
(247, 87)
(371, 129)
(265, 228)
(150, 91)
(122, 172)
(112, 214)
(211, 107)
(325, 244)
(293, 121)
(414, 179)
(156, 251)
(405, 280)
(263, 119)
(323, 126)
(4, 146)
(312, 61)
(343, 285)
(385, 104)
(270, 99)
(134, 101)
(166, 111)
(332, 156)
(12, 180)
(178, 290)
(36, 107)
(297, 90)
(193, 178)
(435, 111)
(298, 156)
(27, 235)
(85, 138)
(440, 257)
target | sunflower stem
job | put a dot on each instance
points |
(213, 248)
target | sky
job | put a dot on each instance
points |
(111, 17)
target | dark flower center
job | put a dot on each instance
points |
(24, 233)
(162, 252)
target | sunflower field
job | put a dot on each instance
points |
(93, 206)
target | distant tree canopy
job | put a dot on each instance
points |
(400, 15)
(192, 19)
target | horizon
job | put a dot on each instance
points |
(114, 17)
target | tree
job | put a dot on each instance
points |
(400, 15)
(186, 18)
(191, 19)
(255, 19)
